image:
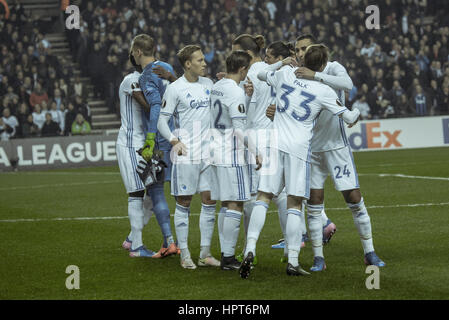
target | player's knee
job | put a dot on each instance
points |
(184, 201)
(294, 202)
(265, 197)
(352, 196)
(205, 199)
(236, 206)
(316, 196)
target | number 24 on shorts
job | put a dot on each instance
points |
(339, 173)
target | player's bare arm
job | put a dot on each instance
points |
(140, 98)
(271, 110)
(305, 73)
(164, 73)
(249, 88)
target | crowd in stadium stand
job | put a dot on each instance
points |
(400, 70)
(39, 95)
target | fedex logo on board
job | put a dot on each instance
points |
(371, 136)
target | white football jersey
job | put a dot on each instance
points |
(189, 103)
(227, 103)
(131, 133)
(329, 130)
(299, 102)
(263, 96)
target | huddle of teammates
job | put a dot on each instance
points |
(266, 131)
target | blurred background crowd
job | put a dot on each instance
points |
(400, 70)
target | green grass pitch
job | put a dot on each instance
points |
(409, 214)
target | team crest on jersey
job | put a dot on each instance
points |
(339, 103)
(207, 92)
(241, 108)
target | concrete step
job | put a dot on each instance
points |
(55, 38)
(58, 44)
(104, 117)
(97, 131)
(60, 51)
(106, 124)
(107, 132)
(110, 132)
(96, 103)
(99, 110)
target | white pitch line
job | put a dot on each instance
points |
(398, 175)
(59, 173)
(197, 214)
(58, 185)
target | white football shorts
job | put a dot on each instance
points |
(290, 172)
(339, 164)
(128, 158)
(230, 183)
(188, 179)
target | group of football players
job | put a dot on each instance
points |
(272, 128)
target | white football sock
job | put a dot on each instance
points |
(181, 220)
(231, 230)
(315, 228)
(303, 221)
(281, 203)
(362, 222)
(248, 207)
(221, 215)
(324, 217)
(255, 225)
(207, 223)
(135, 213)
(294, 235)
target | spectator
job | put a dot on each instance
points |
(38, 95)
(22, 116)
(38, 116)
(82, 108)
(80, 88)
(80, 126)
(363, 107)
(29, 128)
(70, 116)
(50, 127)
(57, 115)
(421, 102)
(403, 106)
(10, 121)
(443, 101)
(396, 92)
(58, 99)
(381, 106)
(5, 131)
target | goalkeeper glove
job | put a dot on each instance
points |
(148, 147)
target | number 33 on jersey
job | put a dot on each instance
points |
(299, 103)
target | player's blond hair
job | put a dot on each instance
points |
(145, 43)
(185, 54)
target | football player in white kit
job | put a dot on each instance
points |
(299, 103)
(188, 100)
(229, 164)
(131, 138)
(258, 123)
(332, 154)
